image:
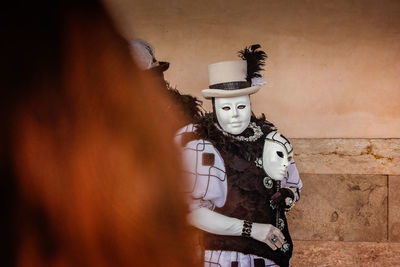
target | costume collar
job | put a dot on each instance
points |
(257, 133)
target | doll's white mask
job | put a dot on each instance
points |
(277, 155)
(233, 113)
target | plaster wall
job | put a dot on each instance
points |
(333, 69)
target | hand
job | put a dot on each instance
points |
(266, 233)
(284, 199)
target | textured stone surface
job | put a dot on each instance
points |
(341, 207)
(394, 208)
(347, 156)
(336, 253)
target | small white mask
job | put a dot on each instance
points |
(233, 113)
(277, 155)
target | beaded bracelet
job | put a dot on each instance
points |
(246, 230)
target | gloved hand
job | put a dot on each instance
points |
(215, 223)
(268, 234)
(284, 199)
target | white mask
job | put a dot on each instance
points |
(277, 155)
(233, 113)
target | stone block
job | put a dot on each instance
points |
(347, 156)
(336, 253)
(341, 208)
(394, 208)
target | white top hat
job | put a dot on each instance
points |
(228, 79)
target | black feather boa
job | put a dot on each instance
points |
(249, 151)
(188, 107)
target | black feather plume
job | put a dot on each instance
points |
(255, 60)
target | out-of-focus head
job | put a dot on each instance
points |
(95, 180)
(277, 155)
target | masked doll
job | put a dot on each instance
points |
(233, 161)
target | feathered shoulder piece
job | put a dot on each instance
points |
(188, 106)
(206, 129)
(255, 60)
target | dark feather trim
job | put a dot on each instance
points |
(255, 60)
(189, 106)
(246, 150)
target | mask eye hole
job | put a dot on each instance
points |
(280, 154)
(241, 106)
(226, 108)
(290, 159)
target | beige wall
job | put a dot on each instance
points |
(333, 68)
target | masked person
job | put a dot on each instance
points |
(234, 197)
(184, 106)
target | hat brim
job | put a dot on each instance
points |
(210, 93)
(163, 66)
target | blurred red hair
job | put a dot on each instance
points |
(97, 174)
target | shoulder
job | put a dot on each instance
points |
(194, 147)
(186, 134)
(203, 168)
(190, 128)
(203, 129)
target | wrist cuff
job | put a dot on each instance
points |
(246, 230)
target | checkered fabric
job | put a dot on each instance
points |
(219, 258)
(292, 180)
(206, 178)
(207, 186)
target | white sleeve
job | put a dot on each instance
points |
(204, 171)
(292, 180)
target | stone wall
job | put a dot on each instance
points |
(349, 211)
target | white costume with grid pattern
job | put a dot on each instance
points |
(207, 187)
